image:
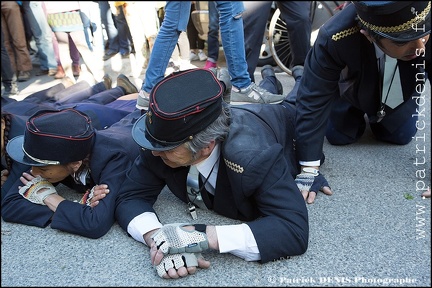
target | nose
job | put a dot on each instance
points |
(156, 153)
(35, 171)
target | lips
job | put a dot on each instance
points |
(410, 57)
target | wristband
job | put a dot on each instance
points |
(310, 170)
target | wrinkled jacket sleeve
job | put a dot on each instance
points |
(140, 189)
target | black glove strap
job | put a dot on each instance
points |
(200, 227)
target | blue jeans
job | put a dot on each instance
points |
(86, 22)
(42, 34)
(213, 33)
(176, 19)
(124, 34)
(232, 34)
(110, 28)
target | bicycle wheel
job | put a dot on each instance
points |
(279, 40)
(279, 43)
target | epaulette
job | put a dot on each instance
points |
(235, 167)
(345, 33)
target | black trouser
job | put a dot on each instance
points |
(296, 14)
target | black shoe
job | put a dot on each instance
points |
(23, 76)
(297, 72)
(124, 82)
(125, 55)
(108, 55)
(268, 71)
(10, 90)
(107, 81)
(41, 72)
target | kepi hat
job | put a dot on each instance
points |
(53, 137)
(180, 106)
(400, 21)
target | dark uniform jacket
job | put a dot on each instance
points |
(16, 127)
(112, 154)
(342, 63)
(255, 181)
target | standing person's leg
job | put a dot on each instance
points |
(212, 36)
(175, 21)
(183, 45)
(243, 90)
(75, 56)
(150, 21)
(254, 22)
(231, 27)
(60, 70)
(16, 39)
(107, 20)
(137, 22)
(8, 77)
(196, 44)
(36, 32)
(62, 40)
(91, 58)
(7, 38)
(46, 42)
(87, 32)
(124, 34)
(296, 15)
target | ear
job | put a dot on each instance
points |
(366, 34)
(75, 165)
(207, 150)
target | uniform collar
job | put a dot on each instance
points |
(378, 52)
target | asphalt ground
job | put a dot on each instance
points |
(375, 230)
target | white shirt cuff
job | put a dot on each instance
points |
(316, 163)
(142, 224)
(238, 240)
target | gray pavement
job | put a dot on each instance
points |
(375, 229)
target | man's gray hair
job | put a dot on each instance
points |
(218, 130)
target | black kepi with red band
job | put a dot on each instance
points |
(181, 105)
(53, 137)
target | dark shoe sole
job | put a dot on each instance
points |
(125, 83)
(109, 56)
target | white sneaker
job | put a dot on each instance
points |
(171, 68)
(201, 55)
(193, 56)
(185, 65)
(254, 94)
(142, 100)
